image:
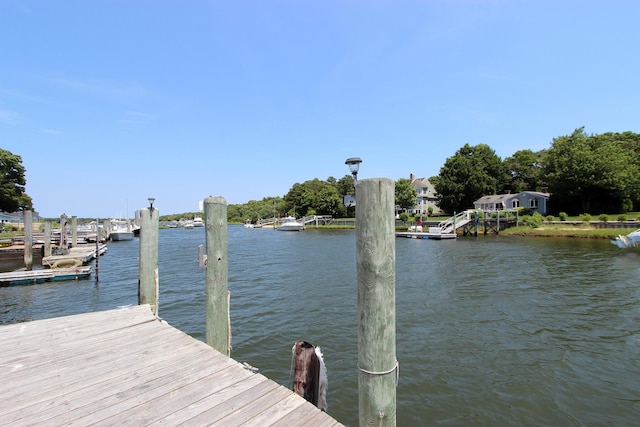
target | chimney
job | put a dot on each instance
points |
(412, 177)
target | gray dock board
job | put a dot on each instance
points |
(125, 367)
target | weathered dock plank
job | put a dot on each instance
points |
(126, 367)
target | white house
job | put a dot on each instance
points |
(426, 196)
(534, 200)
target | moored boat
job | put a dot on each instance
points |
(631, 240)
(290, 224)
(198, 222)
(121, 230)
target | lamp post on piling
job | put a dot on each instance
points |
(148, 265)
(354, 165)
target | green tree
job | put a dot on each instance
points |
(524, 171)
(473, 172)
(405, 194)
(592, 173)
(12, 183)
(345, 185)
(314, 195)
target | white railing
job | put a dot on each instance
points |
(455, 222)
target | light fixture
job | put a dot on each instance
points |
(151, 200)
(354, 165)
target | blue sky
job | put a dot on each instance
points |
(111, 102)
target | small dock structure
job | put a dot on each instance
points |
(81, 253)
(127, 367)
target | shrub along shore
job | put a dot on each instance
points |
(580, 231)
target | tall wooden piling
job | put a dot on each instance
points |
(74, 231)
(47, 238)
(375, 255)
(218, 326)
(97, 264)
(148, 266)
(28, 239)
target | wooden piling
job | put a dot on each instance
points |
(306, 371)
(148, 266)
(74, 231)
(28, 239)
(97, 266)
(375, 255)
(47, 238)
(218, 325)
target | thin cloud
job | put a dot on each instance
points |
(8, 116)
(106, 89)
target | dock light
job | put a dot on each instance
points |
(354, 165)
(151, 200)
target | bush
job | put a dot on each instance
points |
(550, 218)
(524, 211)
(603, 217)
(404, 217)
(622, 217)
(585, 217)
(563, 216)
(533, 221)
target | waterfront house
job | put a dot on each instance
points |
(426, 196)
(534, 200)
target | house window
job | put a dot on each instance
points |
(533, 203)
(515, 204)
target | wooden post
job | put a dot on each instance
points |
(74, 231)
(306, 372)
(47, 238)
(148, 267)
(376, 255)
(28, 239)
(106, 228)
(97, 274)
(62, 248)
(218, 325)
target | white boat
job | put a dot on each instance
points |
(198, 222)
(631, 240)
(247, 224)
(290, 224)
(188, 224)
(121, 230)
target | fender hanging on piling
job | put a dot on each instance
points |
(309, 374)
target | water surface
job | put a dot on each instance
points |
(490, 330)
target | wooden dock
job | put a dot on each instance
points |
(425, 235)
(127, 367)
(82, 253)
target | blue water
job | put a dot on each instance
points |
(490, 330)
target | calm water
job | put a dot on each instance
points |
(490, 330)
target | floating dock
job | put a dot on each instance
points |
(82, 253)
(425, 235)
(30, 277)
(127, 367)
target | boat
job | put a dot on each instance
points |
(121, 230)
(247, 224)
(198, 222)
(188, 224)
(289, 223)
(631, 240)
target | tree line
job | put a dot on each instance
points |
(582, 172)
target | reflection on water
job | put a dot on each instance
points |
(490, 330)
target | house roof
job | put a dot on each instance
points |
(425, 184)
(499, 198)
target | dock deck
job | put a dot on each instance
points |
(127, 367)
(425, 235)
